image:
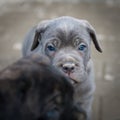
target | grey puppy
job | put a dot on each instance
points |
(66, 41)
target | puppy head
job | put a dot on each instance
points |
(66, 41)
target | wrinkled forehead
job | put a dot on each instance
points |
(67, 30)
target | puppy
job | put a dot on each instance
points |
(66, 41)
(30, 89)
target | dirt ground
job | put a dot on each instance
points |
(17, 19)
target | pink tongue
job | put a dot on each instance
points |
(71, 77)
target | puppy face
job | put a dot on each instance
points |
(66, 41)
(31, 89)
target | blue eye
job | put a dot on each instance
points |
(51, 48)
(82, 47)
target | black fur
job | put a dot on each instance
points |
(30, 89)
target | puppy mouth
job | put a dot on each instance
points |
(72, 79)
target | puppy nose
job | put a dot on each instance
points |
(68, 67)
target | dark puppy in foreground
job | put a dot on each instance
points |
(67, 42)
(30, 89)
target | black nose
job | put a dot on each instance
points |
(68, 67)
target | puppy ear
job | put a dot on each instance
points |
(39, 30)
(92, 33)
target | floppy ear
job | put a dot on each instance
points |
(92, 33)
(39, 30)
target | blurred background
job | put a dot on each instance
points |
(18, 16)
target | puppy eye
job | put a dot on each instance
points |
(51, 47)
(82, 47)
